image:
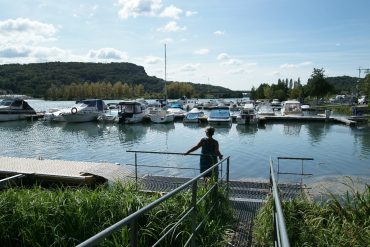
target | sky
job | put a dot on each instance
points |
(235, 44)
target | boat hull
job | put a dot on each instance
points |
(80, 118)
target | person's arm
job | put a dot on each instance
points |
(195, 147)
(217, 152)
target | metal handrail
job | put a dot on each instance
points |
(280, 230)
(132, 219)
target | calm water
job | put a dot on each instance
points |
(336, 149)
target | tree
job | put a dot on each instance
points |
(364, 85)
(317, 85)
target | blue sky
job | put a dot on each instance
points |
(235, 44)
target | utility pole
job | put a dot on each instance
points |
(366, 71)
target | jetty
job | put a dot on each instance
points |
(342, 120)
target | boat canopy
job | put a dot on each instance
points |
(221, 113)
(16, 103)
(130, 107)
(98, 103)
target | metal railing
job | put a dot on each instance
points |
(302, 173)
(280, 231)
(132, 220)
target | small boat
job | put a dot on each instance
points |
(15, 109)
(220, 115)
(195, 116)
(160, 115)
(247, 115)
(276, 104)
(131, 112)
(177, 110)
(109, 116)
(291, 108)
(265, 109)
(55, 115)
(85, 111)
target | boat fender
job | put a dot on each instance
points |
(74, 110)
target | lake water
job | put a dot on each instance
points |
(337, 149)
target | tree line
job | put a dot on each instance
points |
(317, 87)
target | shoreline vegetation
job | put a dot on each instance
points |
(333, 220)
(67, 216)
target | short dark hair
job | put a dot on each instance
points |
(210, 130)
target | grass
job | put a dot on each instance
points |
(67, 216)
(340, 221)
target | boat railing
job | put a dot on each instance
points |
(280, 234)
(210, 194)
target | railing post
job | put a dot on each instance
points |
(133, 233)
(136, 171)
(194, 213)
(227, 175)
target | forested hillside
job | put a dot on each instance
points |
(36, 79)
(343, 83)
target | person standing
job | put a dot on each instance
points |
(210, 152)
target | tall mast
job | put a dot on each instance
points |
(165, 72)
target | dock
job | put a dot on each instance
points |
(63, 172)
(342, 120)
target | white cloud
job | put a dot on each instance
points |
(25, 31)
(223, 56)
(86, 11)
(14, 51)
(152, 60)
(138, 7)
(190, 13)
(292, 66)
(203, 51)
(171, 12)
(107, 54)
(250, 64)
(189, 67)
(237, 71)
(171, 27)
(219, 33)
(232, 62)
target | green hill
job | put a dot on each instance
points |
(343, 83)
(35, 79)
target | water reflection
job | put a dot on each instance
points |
(16, 125)
(292, 128)
(362, 136)
(195, 125)
(91, 129)
(246, 129)
(164, 128)
(316, 131)
(131, 132)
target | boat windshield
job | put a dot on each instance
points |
(220, 113)
(6, 102)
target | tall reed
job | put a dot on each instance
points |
(67, 216)
(340, 221)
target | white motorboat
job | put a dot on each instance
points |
(220, 115)
(160, 115)
(195, 116)
(55, 115)
(177, 110)
(247, 115)
(131, 112)
(109, 116)
(291, 108)
(265, 109)
(276, 104)
(15, 109)
(85, 111)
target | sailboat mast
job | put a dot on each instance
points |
(165, 72)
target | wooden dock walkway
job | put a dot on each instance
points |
(64, 171)
(342, 120)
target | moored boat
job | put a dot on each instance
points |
(160, 115)
(131, 112)
(247, 115)
(220, 115)
(15, 109)
(85, 111)
(195, 116)
(291, 108)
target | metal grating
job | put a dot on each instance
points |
(246, 198)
